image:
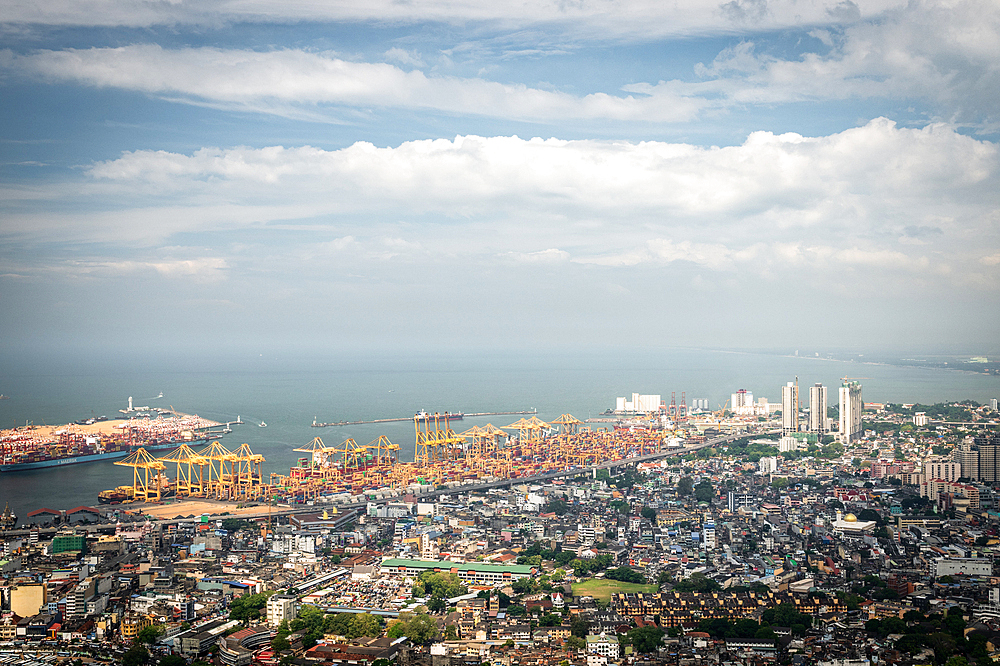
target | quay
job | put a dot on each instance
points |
(459, 415)
(187, 507)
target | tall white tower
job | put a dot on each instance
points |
(850, 412)
(130, 403)
(817, 410)
(789, 415)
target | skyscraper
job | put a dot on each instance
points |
(817, 410)
(789, 411)
(850, 412)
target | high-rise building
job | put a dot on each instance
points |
(742, 402)
(850, 412)
(989, 459)
(789, 412)
(967, 459)
(817, 410)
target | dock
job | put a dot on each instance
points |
(456, 416)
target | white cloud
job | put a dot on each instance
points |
(600, 18)
(202, 269)
(404, 57)
(287, 81)
(774, 204)
(550, 256)
(947, 53)
(943, 53)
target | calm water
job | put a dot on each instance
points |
(288, 393)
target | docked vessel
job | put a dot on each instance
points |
(424, 416)
(74, 450)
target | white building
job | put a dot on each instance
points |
(963, 566)
(788, 443)
(281, 607)
(708, 536)
(603, 645)
(944, 470)
(817, 410)
(742, 402)
(647, 403)
(768, 465)
(920, 419)
(643, 404)
(789, 408)
(850, 412)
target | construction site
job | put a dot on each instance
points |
(527, 447)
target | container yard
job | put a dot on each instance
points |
(34, 447)
(349, 471)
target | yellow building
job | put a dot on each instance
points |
(132, 624)
(28, 600)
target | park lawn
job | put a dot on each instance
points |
(602, 589)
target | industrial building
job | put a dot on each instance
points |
(639, 404)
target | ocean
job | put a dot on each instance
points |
(289, 392)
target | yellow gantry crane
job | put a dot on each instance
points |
(569, 423)
(190, 480)
(147, 483)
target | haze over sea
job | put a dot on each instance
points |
(288, 392)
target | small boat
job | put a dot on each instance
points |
(262, 425)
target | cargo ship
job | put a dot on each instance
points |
(75, 453)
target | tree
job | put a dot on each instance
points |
(444, 585)
(364, 624)
(557, 506)
(645, 639)
(549, 620)
(625, 574)
(280, 643)
(173, 660)
(450, 633)
(697, 582)
(579, 627)
(575, 643)
(248, 607)
(704, 491)
(418, 627)
(685, 486)
(137, 655)
(621, 506)
(149, 635)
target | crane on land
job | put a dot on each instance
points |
(722, 410)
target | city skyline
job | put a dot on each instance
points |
(432, 176)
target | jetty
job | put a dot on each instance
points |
(452, 416)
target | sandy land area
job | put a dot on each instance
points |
(195, 507)
(47, 432)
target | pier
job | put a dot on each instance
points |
(455, 416)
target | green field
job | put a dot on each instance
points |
(603, 589)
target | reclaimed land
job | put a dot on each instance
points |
(602, 589)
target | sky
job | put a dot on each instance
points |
(379, 175)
